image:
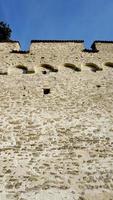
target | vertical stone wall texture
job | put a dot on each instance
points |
(56, 121)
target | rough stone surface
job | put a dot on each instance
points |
(56, 126)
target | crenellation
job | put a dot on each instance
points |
(7, 47)
(103, 46)
(54, 53)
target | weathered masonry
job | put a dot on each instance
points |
(54, 56)
(56, 121)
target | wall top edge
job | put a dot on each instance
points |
(59, 41)
(103, 41)
(93, 46)
(52, 41)
(10, 41)
(55, 41)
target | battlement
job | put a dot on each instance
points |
(54, 54)
(6, 47)
(103, 46)
(96, 45)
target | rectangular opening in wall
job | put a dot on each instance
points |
(46, 91)
(3, 73)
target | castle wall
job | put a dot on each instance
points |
(58, 145)
(6, 58)
(6, 47)
(56, 128)
(104, 46)
(55, 54)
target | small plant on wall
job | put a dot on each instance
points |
(5, 31)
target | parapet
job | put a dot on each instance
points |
(103, 46)
(97, 45)
(9, 46)
(55, 54)
(56, 44)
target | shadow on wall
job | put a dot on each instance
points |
(72, 66)
(3, 73)
(24, 70)
(93, 67)
(109, 64)
(48, 68)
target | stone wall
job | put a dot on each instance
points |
(56, 54)
(56, 123)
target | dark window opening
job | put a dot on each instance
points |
(98, 86)
(44, 72)
(46, 91)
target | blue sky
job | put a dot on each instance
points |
(58, 19)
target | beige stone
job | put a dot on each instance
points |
(56, 121)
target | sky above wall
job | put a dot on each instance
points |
(58, 19)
